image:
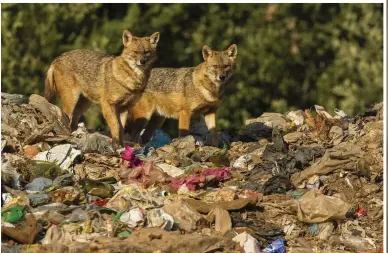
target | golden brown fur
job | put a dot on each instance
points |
(115, 82)
(181, 93)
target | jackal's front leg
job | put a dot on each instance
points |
(154, 124)
(123, 114)
(210, 119)
(184, 123)
(111, 115)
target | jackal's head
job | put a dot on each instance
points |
(140, 52)
(219, 65)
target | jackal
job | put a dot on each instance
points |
(115, 82)
(182, 93)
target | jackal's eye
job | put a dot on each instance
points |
(226, 66)
(215, 66)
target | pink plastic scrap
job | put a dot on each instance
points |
(220, 173)
(129, 155)
(191, 182)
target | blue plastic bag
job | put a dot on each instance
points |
(276, 246)
(159, 140)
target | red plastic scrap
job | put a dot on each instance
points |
(360, 211)
(100, 202)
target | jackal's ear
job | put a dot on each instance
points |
(154, 38)
(206, 52)
(232, 51)
(127, 38)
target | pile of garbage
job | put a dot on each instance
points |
(307, 181)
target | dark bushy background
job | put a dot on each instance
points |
(289, 55)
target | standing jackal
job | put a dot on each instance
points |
(182, 93)
(115, 82)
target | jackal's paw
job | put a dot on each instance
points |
(116, 144)
(215, 142)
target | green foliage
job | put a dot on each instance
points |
(289, 55)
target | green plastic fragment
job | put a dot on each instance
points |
(13, 214)
(117, 216)
(124, 234)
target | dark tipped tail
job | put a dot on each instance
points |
(50, 89)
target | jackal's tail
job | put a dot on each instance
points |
(50, 89)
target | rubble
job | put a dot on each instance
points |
(286, 183)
